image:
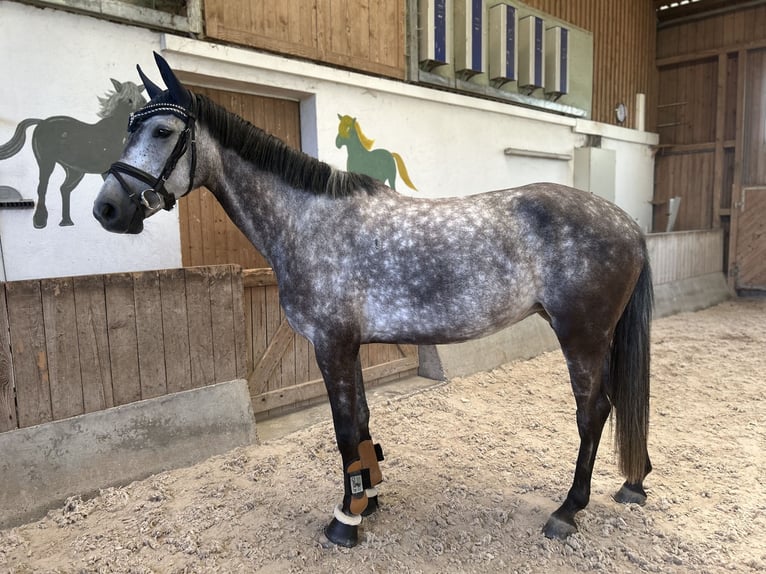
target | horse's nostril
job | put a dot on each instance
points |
(105, 211)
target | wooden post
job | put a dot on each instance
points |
(739, 151)
(8, 418)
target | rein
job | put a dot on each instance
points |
(156, 197)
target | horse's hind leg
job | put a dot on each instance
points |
(40, 217)
(633, 492)
(586, 361)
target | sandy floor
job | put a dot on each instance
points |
(473, 469)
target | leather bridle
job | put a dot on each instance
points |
(156, 197)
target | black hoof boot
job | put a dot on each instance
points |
(631, 494)
(372, 506)
(342, 534)
(559, 528)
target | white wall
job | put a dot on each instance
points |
(452, 144)
(61, 63)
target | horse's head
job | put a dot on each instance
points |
(346, 128)
(158, 163)
(126, 96)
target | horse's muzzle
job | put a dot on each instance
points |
(117, 212)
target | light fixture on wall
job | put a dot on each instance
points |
(621, 113)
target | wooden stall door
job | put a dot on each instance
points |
(282, 371)
(750, 264)
(749, 208)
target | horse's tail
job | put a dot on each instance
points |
(629, 377)
(14, 145)
(403, 170)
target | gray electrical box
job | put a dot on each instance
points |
(595, 170)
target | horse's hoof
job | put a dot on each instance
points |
(630, 494)
(66, 223)
(558, 528)
(40, 219)
(372, 506)
(342, 534)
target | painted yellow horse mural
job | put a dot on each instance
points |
(378, 163)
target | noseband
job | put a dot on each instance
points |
(156, 197)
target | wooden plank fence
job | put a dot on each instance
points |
(682, 255)
(75, 345)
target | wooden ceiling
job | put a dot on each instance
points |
(675, 9)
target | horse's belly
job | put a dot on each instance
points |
(437, 321)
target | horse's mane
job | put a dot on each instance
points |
(271, 154)
(129, 94)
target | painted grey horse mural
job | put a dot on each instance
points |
(76, 146)
(357, 262)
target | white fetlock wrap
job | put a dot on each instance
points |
(371, 492)
(347, 519)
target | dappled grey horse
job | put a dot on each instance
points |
(356, 263)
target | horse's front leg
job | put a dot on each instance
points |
(73, 177)
(338, 363)
(369, 453)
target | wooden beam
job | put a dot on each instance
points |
(674, 149)
(720, 124)
(314, 389)
(736, 191)
(270, 359)
(710, 54)
(258, 277)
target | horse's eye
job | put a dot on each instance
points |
(162, 132)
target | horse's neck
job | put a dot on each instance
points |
(259, 203)
(356, 143)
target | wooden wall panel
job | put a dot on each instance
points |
(151, 356)
(740, 27)
(63, 354)
(687, 103)
(30, 360)
(623, 51)
(366, 35)
(677, 256)
(689, 176)
(711, 96)
(754, 168)
(175, 329)
(90, 301)
(75, 345)
(7, 385)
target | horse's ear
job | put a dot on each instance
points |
(178, 93)
(117, 85)
(152, 89)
